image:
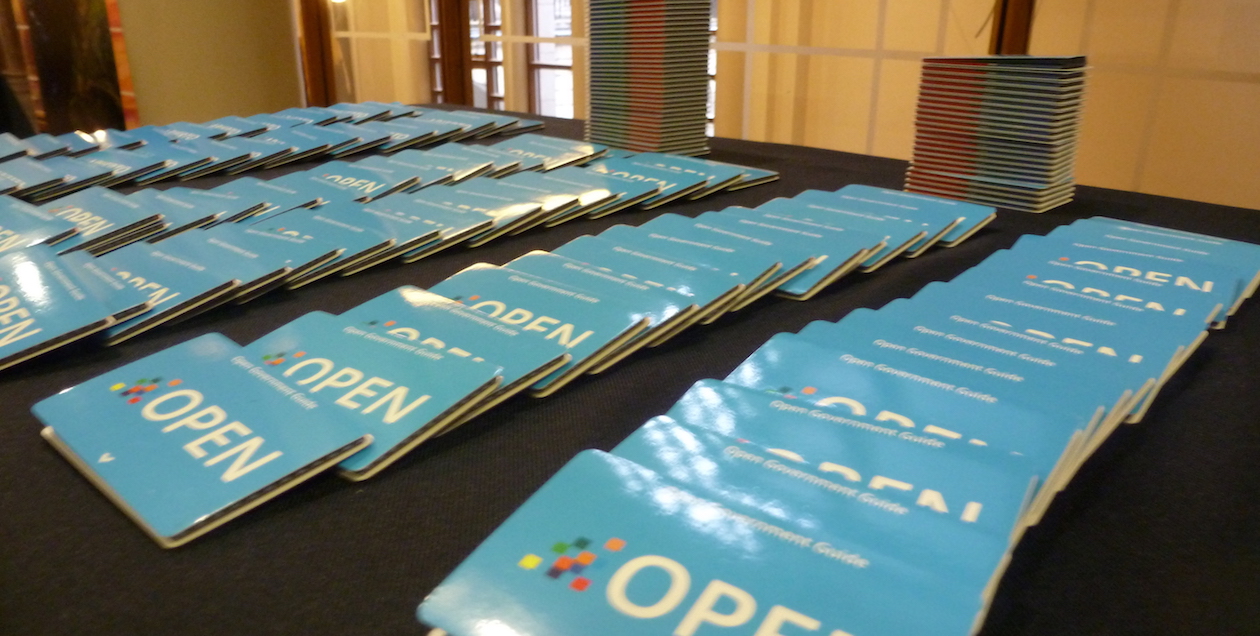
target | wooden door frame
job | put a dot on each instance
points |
(1012, 27)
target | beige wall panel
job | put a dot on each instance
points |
(783, 91)
(757, 116)
(416, 90)
(728, 118)
(1058, 27)
(838, 106)
(1217, 35)
(847, 24)
(777, 22)
(1204, 143)
(197, 60)
(969, 27)
(370, 15)
(1113, 127)
(373, 69)
(1127, 31)
(894, 108)
(912, 25)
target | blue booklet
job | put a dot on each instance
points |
(898, 236)
(752, 270)
(179, 214)
(454, 224)
(402, 135)
(588, 326)
(365, 138)
(446, 159)
(909, 501)
(668, 312)
(79, 174)
(78, 143)
(599, 194)
(414, 315)
(222, 157)
(506, 207)
(674, 185)
(177, 158)
(468, 126)
(313, 115)
(359, 236)
(409, 233)
(225, 205)
(109, 138)
(258, 257)
(23, 225)
(188, 438)
(234, 126)
(125, 165)
(102, 217)
(123, 301)
(728, 247)
(911, 204)
(424, 174)
(178, 285)
(609, 547)
(11, 147)
(553, 151)
(43, 146)
(263, 152)
(562, 185)
(370, 181)
(26, 175)
(505, 163)
(185, 131)
(304, 142)
(266, 198)
(720, 176)
(362, 112)
(41, 305)
(399, 393)
(935, 223)
(709, 288)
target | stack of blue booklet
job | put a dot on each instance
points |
(845, 472)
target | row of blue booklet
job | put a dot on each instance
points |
(45, 166)
(183, 251)
(385, 376)
(867, 476)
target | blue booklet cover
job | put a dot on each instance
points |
(414, 315)
(752, 271)
(710, 288)
(554, 202)
(446, 158)
(78, 143)
(190, 437)
(258, 257)
(179, 214)
(399, 393)
(178, 285)
(344, 225)
(364, 138)
(609, 547)
(362, 112)
(234, 126)
(411, 167)
(728, 247)
(897, 236)
(836, 251)
(1243, 253)
(125, 165)
(454, 224)
(178, 159)
(668, 312)
(43, 146)
(224, 204)
(720, 176)
(101, 215)
(123, 301)
(408, 233)
(185, 131)
(506, 207)
(401, 135)
(313, 115)
(598, 194)
(561, 185)
(505, 163)
(11, 147)
(266, 198)
(588, 326)
(674, 185)
(263, 152)
(42, 307)
(79, 174)
(371, 181)
(862, 499)
(974, 216)
(475, 124)
(935, 223)
(304, 142)
(222, 157)
(27, 175)
(553, 151)
(23, 225)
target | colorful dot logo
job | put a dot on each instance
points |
(136, 392)
(273, 359)
(572, 558)
(380, 323)
(461, 299)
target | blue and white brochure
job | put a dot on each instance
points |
(259, 257)
(560, 183)
(835, 252)
(974, 216)
(123, 301)
(454, 224)
(79, 173)
(267, 198)
(43, 306)
(125, 165)
(222, 157)
(414, 315)
(727, 247)
(305, 144)
(589, 327)
(11, 147)
(371, 182)
(343, 225)
(78, 144)
(505, 163)
(178, 285)
(752, 271)
(668, 312)
(225, 205)
(506, 207)
(262, 152)
(410, 132)
(102, 216)
(44, 145)
(184, 131)
(898, 236)
(469, 126)
(188, 438)
(23, 225)
(609, 547)
(362, 112)
(109, 138)
(553, 151)
(406, 232)
(234, 126)
(425, 174)
(178, 159)
(364, 138)
(674, 185)
(399, 393)
(850, 491)
(719, 175)
(710, 288)
(444, 158)
(1245, 255)
(313, 116)
(179, 214)
(26, 175)
(935, 223)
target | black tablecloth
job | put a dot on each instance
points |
(1159, 534)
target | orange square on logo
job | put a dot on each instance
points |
(614, 545)
(564, 562)
(586, 558)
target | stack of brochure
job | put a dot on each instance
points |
(649, 75)
(393, 372)
(846, 472)
(45, 167)
(999, 130)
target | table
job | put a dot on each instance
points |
(1159, 533)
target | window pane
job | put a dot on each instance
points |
(555, 92)
(558, 54)
(553, 18)
(479, 87)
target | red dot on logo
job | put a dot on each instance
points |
(390, 323)
(1030, 277)
(133, 400)
(473, 297)
(174, 383)
(299, 354)
(580, 584)
(1063, 258)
